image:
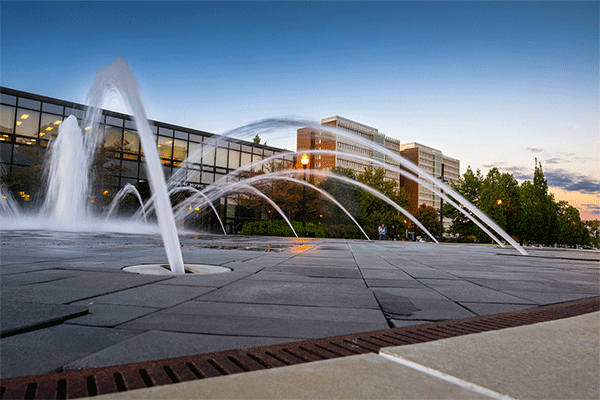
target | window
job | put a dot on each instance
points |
(132, 140)
(234, 159)
(7, 120)
(49, 125)
(52, 108)
(112, 137)
(27, 123)
(28, 103)
(221, 157)
(180, 150)
(165, 148)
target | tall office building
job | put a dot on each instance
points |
(431, 161)
(316, 139)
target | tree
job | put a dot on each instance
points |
(469, 185)
(539, 223)
(593, 227)
(256, 139)
(571, 229)
(375, 211)
(429, 217)
(500, 200)
(346, 194)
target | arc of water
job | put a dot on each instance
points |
(127, 189)
(222, 190)
(403, 173)
(193, 189)
(273, 124)
(414, 178)
(321, 191)
(270, 201)
(371, 190)
(428, 186)
(118, 77)
(423, 174)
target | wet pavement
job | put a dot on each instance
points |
(68, 304)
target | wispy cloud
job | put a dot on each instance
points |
(592, 209)
(572, 181)
(535, 150)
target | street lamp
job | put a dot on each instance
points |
(304, 160)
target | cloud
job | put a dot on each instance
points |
(495, 165)
(571, 181)
(521, 173)
(592, 209)
(534, 150)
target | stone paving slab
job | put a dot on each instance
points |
(307, 313)
(158, 296)
(47, 350)
(17, 316)
(249, 326)
(291, 277)
(110, 315)
(157, 345)
(294, 293)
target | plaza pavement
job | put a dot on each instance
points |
(67, 303)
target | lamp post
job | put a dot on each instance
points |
(304, 161)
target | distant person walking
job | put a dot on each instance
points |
(382, 232)
(393, 232)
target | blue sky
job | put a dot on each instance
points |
(490, 83)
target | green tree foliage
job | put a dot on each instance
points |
(538, 222)
(469, 185)
(593, 227)
(527, 212)
(346, 194)
(500, 200)
(429, 217)
(374, 211)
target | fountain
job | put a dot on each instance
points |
(69, 158)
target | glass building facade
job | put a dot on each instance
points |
(28, 119)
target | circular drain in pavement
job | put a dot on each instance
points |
(163, 269)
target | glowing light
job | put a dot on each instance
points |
(42, 134)
(49, 128)
(197, 208)
(499, 201)
(87, 128)
(105, 192)
(305, 159)
(57, 122)
(24, 116)
(19, 123)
